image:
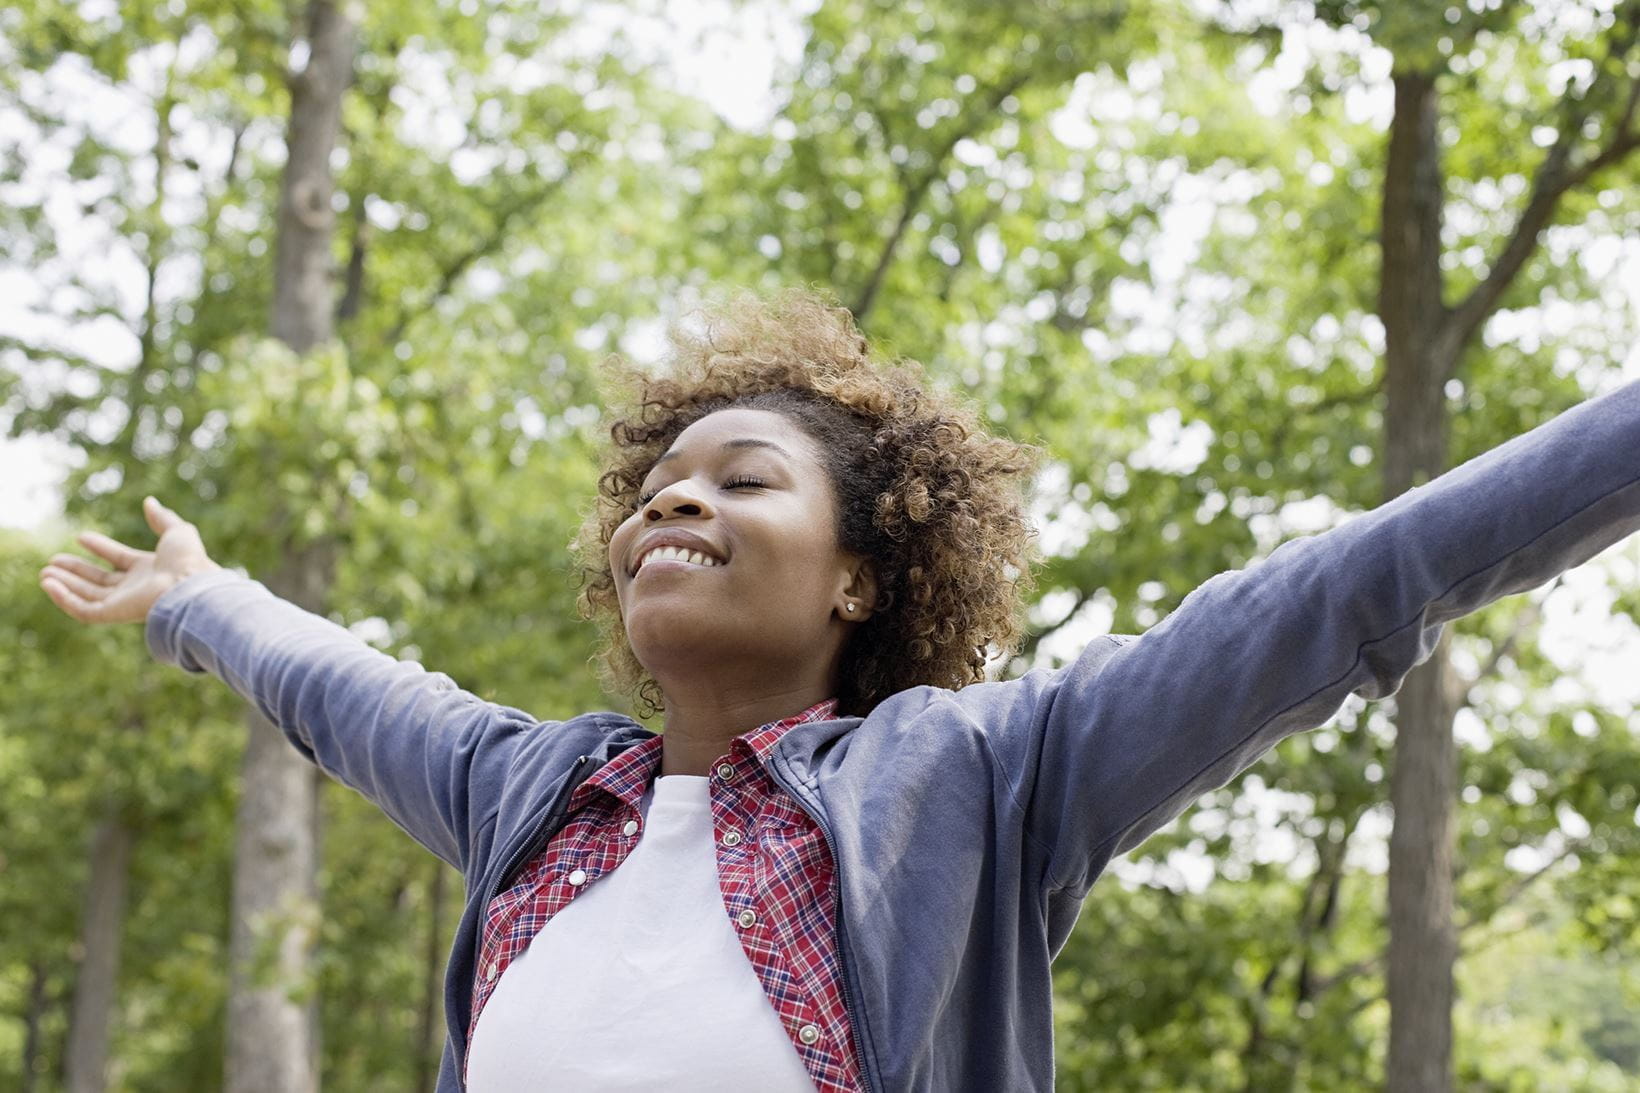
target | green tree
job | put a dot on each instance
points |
(409, 425)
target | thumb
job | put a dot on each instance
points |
(160, 518)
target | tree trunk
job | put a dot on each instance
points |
(38, 1000)
(303, 295)
(1422, 942)
(86, 1062)
(430, 1029)
(272, 1013)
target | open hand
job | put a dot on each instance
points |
(88, 592)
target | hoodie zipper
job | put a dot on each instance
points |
(844, 959)
(538, 837)
(540, 834)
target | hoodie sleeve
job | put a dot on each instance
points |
(428, 754)
(1102, 752)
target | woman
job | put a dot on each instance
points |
(848, 862)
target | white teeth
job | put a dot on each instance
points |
(678, 554)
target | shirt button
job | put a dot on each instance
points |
(630, 828)
(489, 973)
(747, 919)
(731, 838)
(725, 771)
(808, 1034)
(578, 878)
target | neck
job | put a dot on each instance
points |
(702, 720)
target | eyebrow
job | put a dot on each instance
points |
(727, 445)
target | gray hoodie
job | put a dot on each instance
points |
(967, 826)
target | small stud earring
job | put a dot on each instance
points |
(850, 609)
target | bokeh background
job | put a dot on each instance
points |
(1243, 269)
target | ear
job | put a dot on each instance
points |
(857, 595)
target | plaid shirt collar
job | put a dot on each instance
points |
(628, 775)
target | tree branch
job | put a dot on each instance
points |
(353, 280)
(136, 391)
(919, 189)
(1555, 177)
(1330, 872)
(1348, 971)
(452, 271)
(1518, 889)
(378, 93)
(1028, 648)
(1473, 927)
(913, 198)
(1462, 686)
(1292, 414)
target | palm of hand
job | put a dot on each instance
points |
(91, 593)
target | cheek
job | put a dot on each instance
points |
(614, 555)
(797, 577)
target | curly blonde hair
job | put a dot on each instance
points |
(922, 490)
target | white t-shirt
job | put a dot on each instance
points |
(640, 983)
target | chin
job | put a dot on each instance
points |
(665, 635)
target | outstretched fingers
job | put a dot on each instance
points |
(82, 588)
(71, 603)
(78, 566)
(113, 551)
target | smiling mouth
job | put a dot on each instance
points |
(676, 554)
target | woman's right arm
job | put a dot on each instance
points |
(408, 739)
(1102, 752)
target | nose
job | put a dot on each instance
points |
(678, 499)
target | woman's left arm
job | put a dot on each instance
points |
(1104, 751)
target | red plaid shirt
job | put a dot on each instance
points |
(774, 868)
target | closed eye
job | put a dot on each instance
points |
(739, 481)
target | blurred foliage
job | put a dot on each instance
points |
(1138, 233)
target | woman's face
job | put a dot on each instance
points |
(748, 573)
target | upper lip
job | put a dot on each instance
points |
(674, 537)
